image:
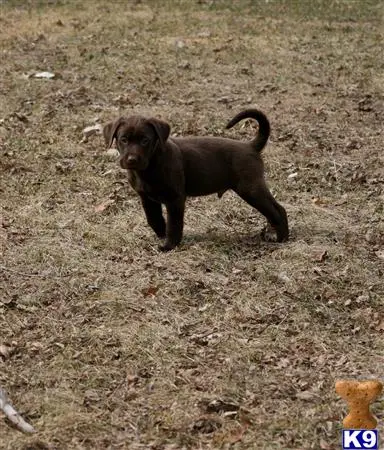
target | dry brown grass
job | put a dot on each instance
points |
(119, 346)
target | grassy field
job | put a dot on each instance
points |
(228, 342)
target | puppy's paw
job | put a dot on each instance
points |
(268, 234)
(272, 234)
(160, 234)
(167, 247)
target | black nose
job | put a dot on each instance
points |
(129, 162)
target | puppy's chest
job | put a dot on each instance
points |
(155, 188)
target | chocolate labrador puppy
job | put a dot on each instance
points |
(165, 170)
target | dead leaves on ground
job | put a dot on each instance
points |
(322, 257)
(105, 205)
(91, 130)
(306, 395)
(6, 351)
(214, 420)
(150, 291)
(226, 407)
(206, 424)
(115, 197)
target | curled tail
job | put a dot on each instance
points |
(264, 127)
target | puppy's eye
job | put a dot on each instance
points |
(144, 141)
(124, 140)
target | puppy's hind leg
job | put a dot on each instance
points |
(259, 196)
(154, 215)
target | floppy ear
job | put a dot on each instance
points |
(162, 130)
(109, 131)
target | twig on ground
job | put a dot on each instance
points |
(13, 415)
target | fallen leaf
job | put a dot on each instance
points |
(283, 363)
(92, 130)
(91, 396)
(362, 298)
(319, 202)
(370, 236)
(179, 43)
(150, 291)
(220, 406)
(324, 445)
(305, 395)
(65, 166)
(359, 177)
(132, 379)
(236, 435)
(112, 153)
(46, 75)
(184, 65)
(323, 256)
(204, 307)
(225, 100)
(282, 276)
(103, 206)
(36, 346)
(5, 351)
(207, 338)
(206, 425)
(107, 172)
(204, 34)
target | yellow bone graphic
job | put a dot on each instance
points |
(359, 395)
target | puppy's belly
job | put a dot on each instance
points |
(204, 186)
(207, 173)
(202, 193)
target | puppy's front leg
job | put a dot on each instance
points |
(154, 215)
(175, 223)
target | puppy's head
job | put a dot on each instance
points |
(137, 139)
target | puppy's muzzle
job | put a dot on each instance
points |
(129, 162)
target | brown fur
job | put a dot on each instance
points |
(165, 170)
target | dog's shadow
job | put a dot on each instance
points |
(230, 243)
